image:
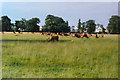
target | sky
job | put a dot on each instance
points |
(59, 0)
(69, 11)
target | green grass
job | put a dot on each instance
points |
(31, 56)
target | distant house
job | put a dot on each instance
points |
(98, 29)
(40, 28)
(74, 29)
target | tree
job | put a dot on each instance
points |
(45, 28)
(24, 23)
(103, 29)
(12, 26)
(55, 24)
(90, 25)
(114, 24)
(19, 24)
(32, 25)
(83, 26)
(0, 25)
(79, 25)
(67, 23)
(28, 25)
(98, 25)
(6, 23)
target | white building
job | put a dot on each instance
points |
(40, 28)
(74, 29)
(98, 29)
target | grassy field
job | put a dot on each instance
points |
(31, 56)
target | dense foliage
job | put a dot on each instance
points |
(28, 25)
(90, 25)
(114, 24)
(55, 24)
(83, 26)
(79, 25)
(32, 25)
(6, 23)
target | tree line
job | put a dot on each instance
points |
(57, 24)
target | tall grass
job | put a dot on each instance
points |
(31, 56)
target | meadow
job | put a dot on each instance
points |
(32, 56)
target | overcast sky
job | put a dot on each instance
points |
(71, 11)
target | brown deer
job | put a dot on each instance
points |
(54, 38)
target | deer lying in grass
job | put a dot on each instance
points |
(54, 38)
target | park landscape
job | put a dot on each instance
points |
(45, 43)
(32, 56)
